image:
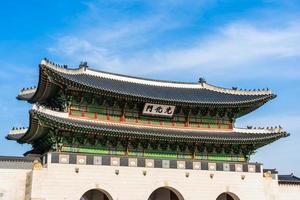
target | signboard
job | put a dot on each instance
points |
(158, 110)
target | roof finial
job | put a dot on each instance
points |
(83, 65)
(202, 80)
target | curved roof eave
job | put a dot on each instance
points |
(44, 89)
(61, 120)
(188, 93)
(16, 133)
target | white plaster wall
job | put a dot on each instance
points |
(270, 188)
(289, 192)
(60, 181)
(13, 184)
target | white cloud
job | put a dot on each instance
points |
(237, 47)
(13, 70)
(128, 43)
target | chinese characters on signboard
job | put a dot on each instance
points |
(158, 110)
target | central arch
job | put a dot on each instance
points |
(227, 196)
(165, 193)
(96, 194)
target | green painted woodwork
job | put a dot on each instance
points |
(85, 150)
(185, 156)
(76, 113)
(117, 152)
(152, 154)
(135, 153)
(226, 158)
(160, 154)
(114, 113)
(111, 143)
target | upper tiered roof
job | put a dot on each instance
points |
(53, 76)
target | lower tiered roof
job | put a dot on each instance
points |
(41, 119)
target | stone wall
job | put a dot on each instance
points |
(71, 181)
(58, 181)
(13, 184)
(61, 181)
(289, 192)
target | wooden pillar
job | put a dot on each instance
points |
(123, 109)
(187, 121)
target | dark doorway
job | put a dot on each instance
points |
(227, 196)
(95, 194)
(165, 194)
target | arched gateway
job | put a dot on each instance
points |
(113, 127)
(96, 194)
(165, 193)
(227, 196)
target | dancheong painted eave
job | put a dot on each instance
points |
(43, 119)
(53, 76)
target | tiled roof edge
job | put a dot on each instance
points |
(16, 159)
(159, 83)
(16, 133)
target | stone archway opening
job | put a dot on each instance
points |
(96, 194)
(165, 193)
(227, 196)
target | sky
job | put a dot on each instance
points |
(246, 44)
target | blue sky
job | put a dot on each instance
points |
(248, 44)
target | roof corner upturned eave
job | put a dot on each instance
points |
(30, 134)
(45, 85)
(16, 133)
